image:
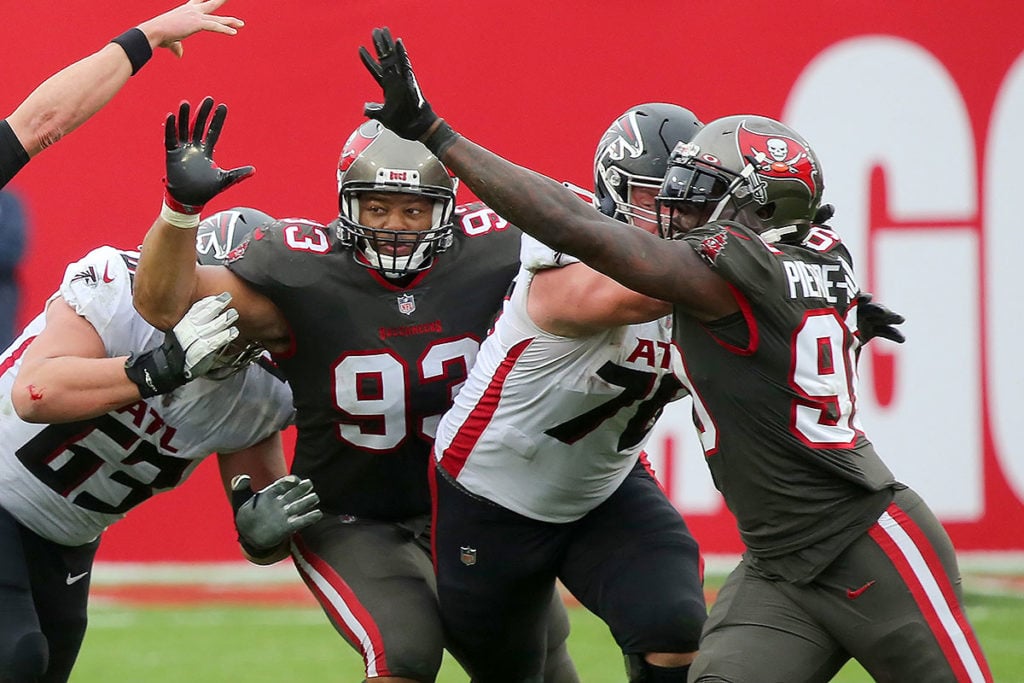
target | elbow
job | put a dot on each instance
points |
(29, 403)
(47, 129)
(156, 312)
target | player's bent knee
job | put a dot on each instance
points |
(27, 660)
(675, 629)
(640, 670)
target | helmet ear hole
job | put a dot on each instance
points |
(606, 205)
(766, 212)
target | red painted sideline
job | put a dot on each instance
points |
(256, 596)
(192, 594)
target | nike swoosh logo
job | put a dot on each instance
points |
(75, 579)
(106, 274)
(854, 593)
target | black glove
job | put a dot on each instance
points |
(192, 177)
(824, 214)
(404, 110)
(875, 320)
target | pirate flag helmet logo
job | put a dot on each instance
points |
(750, 169)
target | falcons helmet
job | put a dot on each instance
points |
(634, 152)
(218, 235)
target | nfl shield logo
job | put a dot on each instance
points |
(467, 555)
(406, 304)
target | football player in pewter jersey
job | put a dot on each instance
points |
(841, 559)
(86, 438)
(374, 320)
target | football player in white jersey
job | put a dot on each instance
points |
(541, 473)
(99, 411)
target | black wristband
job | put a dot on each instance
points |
(13, 156)
(260, 554)
(440, 139)
(158, 371)
(136, 45)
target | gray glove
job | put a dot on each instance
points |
(266, 519)
(189, 350)
(204, 331)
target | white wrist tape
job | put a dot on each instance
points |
(177, 219)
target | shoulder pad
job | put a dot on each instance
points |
(535, 255)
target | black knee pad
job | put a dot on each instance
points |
(28, 659)
(641, 671)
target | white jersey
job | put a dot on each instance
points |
(68, 482)
(549, 426)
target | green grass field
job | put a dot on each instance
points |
(225, 642)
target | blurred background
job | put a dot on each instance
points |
(914, 109)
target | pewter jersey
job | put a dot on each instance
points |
(549, 426)
(374, 363)
(68, 482)
(775, 397)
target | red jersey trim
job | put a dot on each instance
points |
(15, 355)
(453, 459)
(748, 315)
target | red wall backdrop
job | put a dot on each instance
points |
(536, 82)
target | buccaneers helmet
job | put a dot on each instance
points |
(749, 169)
(634, 151)
(376, 160)
(218, 235)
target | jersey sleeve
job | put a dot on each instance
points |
(476, 219)
(265, 259)
(738, 254)
(535, 255)
(99, 288)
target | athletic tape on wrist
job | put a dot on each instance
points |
(184, 221)
(440, 139)
(136, 45)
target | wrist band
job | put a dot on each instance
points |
(440, 139)
(185, 221)
(136, 45)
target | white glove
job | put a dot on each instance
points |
(204, 331)
(268, 518)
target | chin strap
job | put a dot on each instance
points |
(773, 235)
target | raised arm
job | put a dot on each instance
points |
(168, 278)
(540, 206)
(67, 99)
